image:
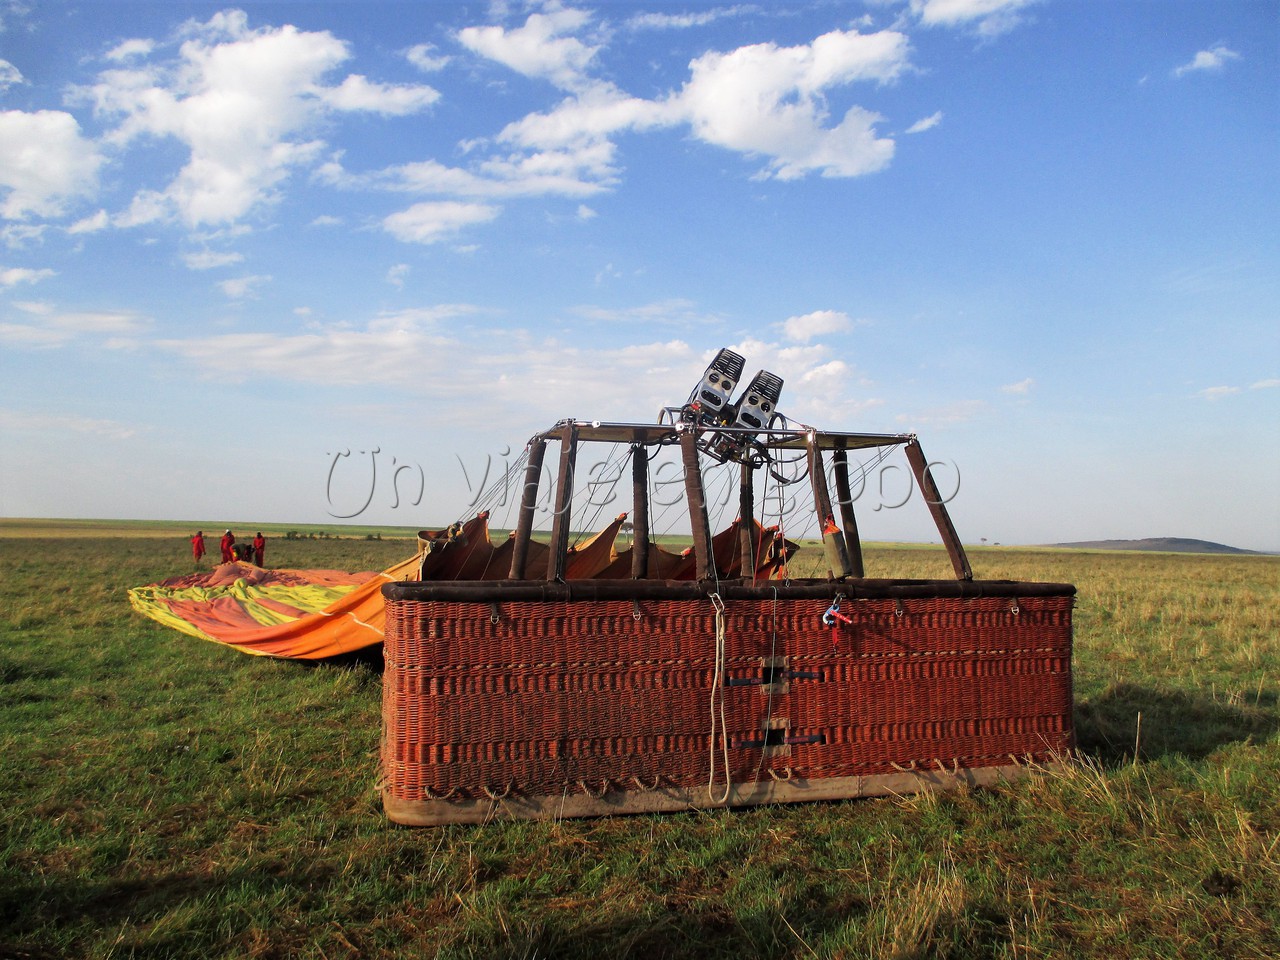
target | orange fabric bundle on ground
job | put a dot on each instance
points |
(296, 614)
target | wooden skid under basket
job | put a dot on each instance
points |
(587, 707)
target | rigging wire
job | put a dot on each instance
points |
(584, 496)
(667, 514)
(496, 494)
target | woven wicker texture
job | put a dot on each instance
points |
(540, 698)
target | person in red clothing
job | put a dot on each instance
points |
(228, 541)
(197, 545)
(259, 547)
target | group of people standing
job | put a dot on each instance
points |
(229, 550)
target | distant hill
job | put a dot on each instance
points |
(1162, 544)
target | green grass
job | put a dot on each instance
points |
(166, 797)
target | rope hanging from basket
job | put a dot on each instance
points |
(717, 708)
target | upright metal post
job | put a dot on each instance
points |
(929, 489)
(528, 500)
(844, 496)
(696, 496)
(747, 521)
(832, 538)
(564, 500)
(639, 512)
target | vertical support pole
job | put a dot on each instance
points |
(639, 512)
(528, 500)
(832, 538)
(694, 493)
(929, 490)
(747, 521)
(564, 499)
(844, 496)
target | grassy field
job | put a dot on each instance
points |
(151, 529)
(166, 797)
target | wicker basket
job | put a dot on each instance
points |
(550, 700)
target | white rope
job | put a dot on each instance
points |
(717, 709)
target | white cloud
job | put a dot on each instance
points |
(90, 224)
(526, 381)
(586, 213)
(1021, 388)
(1211, 60)
(50, 328)
(419, 318)
(11, 10)
(681, 21)
(822, 394)
(962, 411)
(210, 259)
(423, 56)
(988, 17)
(761, 100)
(817, 388)
(676, 312)
(770, 100)
(926, 123)
(396, 275)
(804, 328)
(568, 150)
(607, 272)
(1216, 393)
(16, 236)
(32, 337)
(540, 48)
(46, 423)
(575, 173)
(433, 221)
(358, 93)
(583, 170)
(340, 357)
(147, 206)
(243, 288)
(827, 378)
(1212, 278)
(43, 163)
(244, 102)
(16, 275)
(99, 323)
(9, 75)
(583, 121)
(129, 49)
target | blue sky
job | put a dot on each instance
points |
(243, 248)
